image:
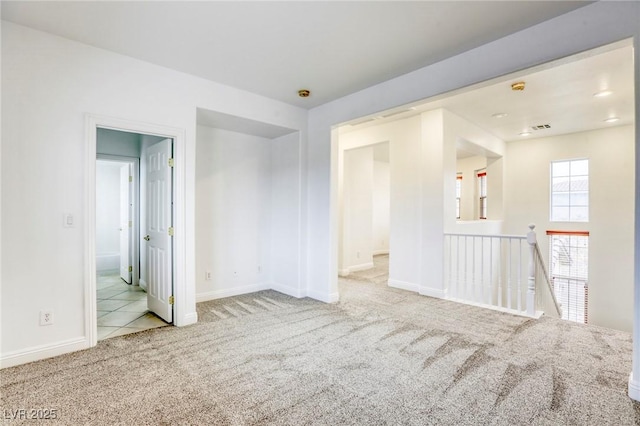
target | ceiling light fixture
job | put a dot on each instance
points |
(602, 93)
(304, 93)
(500, 115)
(518, 87)
(611, 120)
(525, 133)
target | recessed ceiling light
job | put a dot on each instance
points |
(602, 93)
(500, 115)
(525, 133)
(611, 120)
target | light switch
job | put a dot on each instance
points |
(68, 220)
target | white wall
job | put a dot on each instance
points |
(358, 210)
(233, 205)
(381, 206)
(247, 213)
(48, 85)
(286, 223)
(107, 215)
(611, 218)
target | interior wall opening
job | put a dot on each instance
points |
(365, 212)
(576, 107)
(126, 265)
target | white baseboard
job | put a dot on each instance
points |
(438, 293)
(361, 267)
(37, 353)
(288, 290)
(343, 272)
(634, 388)
(403, 285)
(188, 319)
(143, 284)
(323, 297)
(234, 291)
(377, 252)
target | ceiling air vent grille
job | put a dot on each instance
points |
(402, 111)
(366, 120)
(541, 127)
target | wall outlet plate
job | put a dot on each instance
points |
(46, 317)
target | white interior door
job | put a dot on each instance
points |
(158, 224)
(125, 224)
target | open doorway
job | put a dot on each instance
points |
(133, 232)
(365, 212)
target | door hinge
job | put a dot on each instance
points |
(171, 162)
(171, 300)
(170, 231)
(130, 178)
(130, 268)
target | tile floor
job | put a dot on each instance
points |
(122, 308)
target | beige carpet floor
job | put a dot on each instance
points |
(379, 357)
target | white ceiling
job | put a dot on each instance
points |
(559, 94)
(275, 48)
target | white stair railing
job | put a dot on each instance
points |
(544, 297)
(502, 272)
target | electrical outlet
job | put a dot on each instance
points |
(207, 275)
(46, 317)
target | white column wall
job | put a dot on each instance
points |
(381, 207)
(285, 232)
(438, 168)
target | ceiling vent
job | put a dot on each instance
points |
(541, 127)
(402, 111)
(366, 120)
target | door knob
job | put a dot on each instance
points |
(147, 238)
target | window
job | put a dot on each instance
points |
(569, 267)
(458, 194)
(570, 191)
(482, 191)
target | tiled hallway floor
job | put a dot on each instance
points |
(122, 308)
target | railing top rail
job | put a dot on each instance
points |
(505, 236)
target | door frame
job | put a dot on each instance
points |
(135, 200)
(180, 270)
